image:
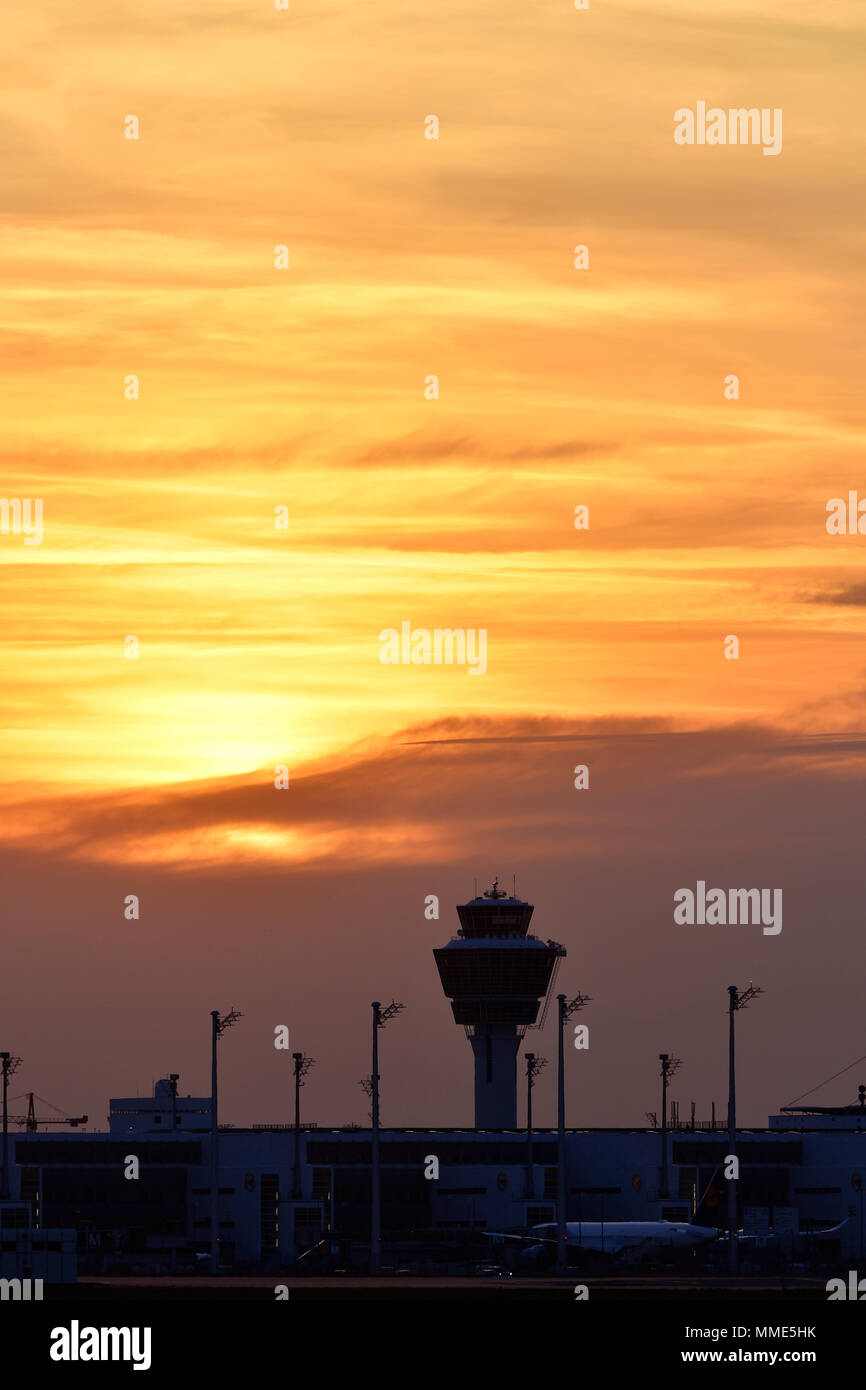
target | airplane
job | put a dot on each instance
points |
(613, 1237)
(610, 1237)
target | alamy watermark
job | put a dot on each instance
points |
(855, 1290)
(76, 1343)
(847, 520)
(718, 907)
(739, 125)
(21, 1290)
(22, 516)
(420, 647)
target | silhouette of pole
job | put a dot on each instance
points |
(736, 1000)
(669, 1066)
(376, 1215)
(566, 1009)
(380, 1018)
(663, 1187)
(302, 1066)
(10, 1065)
(219, 1026)
(732, 1133)
(296, 1186)
(561, 1233)
(533, 1067)
(530, 1072)
(214, 1165)
(4, 1190)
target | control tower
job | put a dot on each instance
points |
(496, 977)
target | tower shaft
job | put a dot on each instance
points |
(495, 1050)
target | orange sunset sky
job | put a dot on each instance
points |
(304, 388)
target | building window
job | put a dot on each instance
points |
(15, 1218)
(688, 1181)
(460, 1191)
(535, 1216)
(322, 1184)
(269, 1212)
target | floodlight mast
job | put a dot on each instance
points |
(302, 1067)
(533, 1066)
(669, 1066)
(567, 1007)
(10, 1065)
(173, 1078)
(736, 1000)
(220, 1024)
(380, 1018)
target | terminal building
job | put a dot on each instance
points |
(301, 1199)
(804, 1173)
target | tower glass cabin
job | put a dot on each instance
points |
(496, 977)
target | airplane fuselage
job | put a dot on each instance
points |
(610, 1237)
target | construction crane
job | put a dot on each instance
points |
(31, 1121)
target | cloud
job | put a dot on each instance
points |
(421, 447)
(432, 789)
(852, 597)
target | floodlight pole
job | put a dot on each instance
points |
(530, 1074)
(380, 1018)
(566, 1009)
(663, 1186)
(219, 1026)
(669, 1066)
(732, 1132)
(296, 1186)
(376, 1229)
(4, 1188)
(736, 1000)
(302, 1066)
(214, 1164)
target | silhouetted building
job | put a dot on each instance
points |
(801, 1175)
